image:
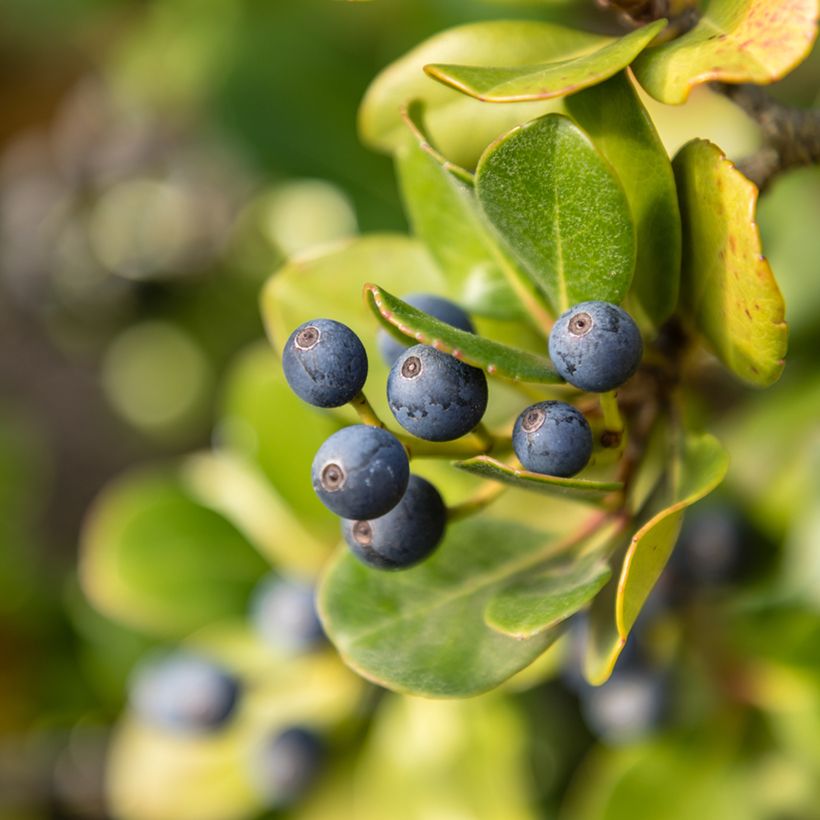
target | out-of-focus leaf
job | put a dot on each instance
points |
(414, 326)
(578, 489)
(728, 292)
(526, 608)
(612, 114)
(422, 630)
(158, 561)
(570, 66)
(703, 464)
(154, 774)
(559, 207)
(736, 41)
(471, 756)
(445, 216)
(461, 127)
(257, 423)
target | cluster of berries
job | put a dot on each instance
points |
(392, 519)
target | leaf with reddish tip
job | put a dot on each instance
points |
(728, 291)
(643, 556)
(735, 41)
(579, 489)
(571, 64)
(408, 323)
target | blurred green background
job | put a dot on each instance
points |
(158, 162)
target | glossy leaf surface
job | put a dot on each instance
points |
(460, 126)
(526, 608)
(735, 41)
(570, 65)
(701, 468)
(613, 116)
(728, 290)
(559, 207)
(579, 489)
(422, 630)
(158, 561)
(419, 327)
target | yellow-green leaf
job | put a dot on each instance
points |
(735, 41)
(728, 291)
(571, 64)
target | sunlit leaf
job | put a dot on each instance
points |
(497, 359)
(728, 291)
(158, 561)
(579, 489)
(571, 64)
(422, 630)
(612, 114)
(527, 607)
(461, 127)
(702, 466)
(736, 41)
(559, 207)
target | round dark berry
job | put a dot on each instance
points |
(595, 346)
(361, 472)
(325, 363)
(184, 693)
(283, 613)
(288, 764)
(552, 438)
(406, 535)
(439, 308)
(435, 396)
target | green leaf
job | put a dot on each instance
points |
(461, 127)
(735, 41)
(703, 464)
(558, 205)
(156, 560)
(728, 291)
(422, 630)
(579, 489)
(528, 607)
(573, 64)
(445, 216)
(256, 423)
(407, 322)
(613, 116)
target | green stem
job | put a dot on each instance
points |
(613, 422)
(365, 411)
(483, 498)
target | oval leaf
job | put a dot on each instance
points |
(422, 630)
(728, 290)
(736, 41)
(528, 607)
(572, 65)
(407, 322)
(702, 467)
(579, 489)
(156, 560)
(461, 127)
(558, 205)
(613, 116)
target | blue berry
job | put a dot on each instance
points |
(438, 308)
(283, 613)
(435, 396)
(325, 363)
(184, 692)
(552, 438)
(595, 346)
(361, 472)
(406, 535)
(288, 764)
